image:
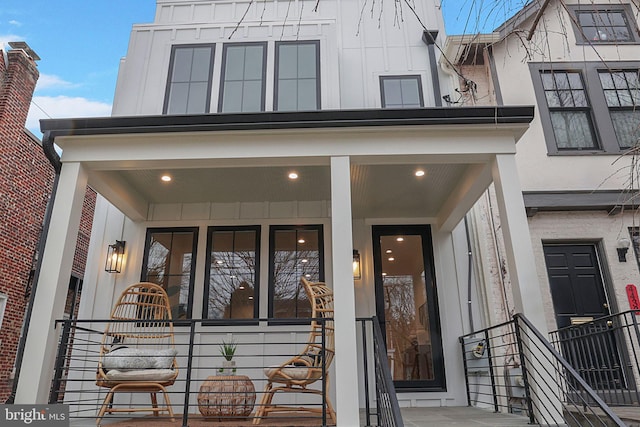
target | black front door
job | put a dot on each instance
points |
(576, 283)
(406, 305)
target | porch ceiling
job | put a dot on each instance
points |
(376, 190)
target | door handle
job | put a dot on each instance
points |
(605, 305)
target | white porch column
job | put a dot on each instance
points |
(346, 378)
(519, 251)
(41, 344)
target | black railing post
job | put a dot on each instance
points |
(523, 365)
(466, 370)
(634, 320)
(365, 364)
(494, 391)
(187, 387)
(60, 359)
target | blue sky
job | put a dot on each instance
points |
(81, 43)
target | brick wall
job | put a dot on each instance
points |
(26, 179)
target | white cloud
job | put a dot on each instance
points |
(63, 107)
(49, 81)
(16, 23)
(6, 38)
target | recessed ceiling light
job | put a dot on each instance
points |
(250, 298)
(399, 239)
(219, 261)
(305, 260)
(166, 178)
(391, 258)
(293, 175)
(241, 287)
(419, 172)
(384, 274)
(300, 241)
(307, 275)
(388, 251)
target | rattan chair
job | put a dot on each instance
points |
(133, 330)
(311, 364)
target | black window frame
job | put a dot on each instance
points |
(619, 91)
(416, 77)
(167, 94)
(319, 228)
(626, 11)
(276, 73)
(263, 79)
(600, 117)
(194, 251)
(256, 290)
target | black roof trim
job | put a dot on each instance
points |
(289, 120)
(611, 201)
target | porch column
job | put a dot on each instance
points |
(346, 377)
(519, 251)
(51, 293)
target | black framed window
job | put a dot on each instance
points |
(603, 24)
(294, 252)
(586, 108)
(189, 82)
(243, 77)
(169, 261)
(232, 280)
(401, 91)
(622, 94)
(297, 83)
(569, 109)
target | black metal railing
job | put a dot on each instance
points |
(384, 409)
(196, 392)
(604, 352)
(513, 368)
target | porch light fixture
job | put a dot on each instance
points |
(115, 255)
(293, 175)
(357, 273)
(419, 173)
(622, 248)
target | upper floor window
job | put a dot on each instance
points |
(297, 84)
(243, 77)
(585, 108)
(401, 92)
(189, 82)
(294, 252)
(604, 24)
(569, 109)
(622, 94)
(169, 261)
(231, 291)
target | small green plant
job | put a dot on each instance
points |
(227, 350)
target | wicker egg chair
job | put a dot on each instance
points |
(129, 339)
(304, 369)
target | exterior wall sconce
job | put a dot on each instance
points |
(622, 248)
(115, 256)
(357, 273)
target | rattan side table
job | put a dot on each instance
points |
(226, 396)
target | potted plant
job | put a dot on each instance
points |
(228, 350)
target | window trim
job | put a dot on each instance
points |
(256, 291)
(167, 92)
(417, 77)
(223, 68)
(276, 70)
(625, 8)
(321, 261)
(600, 116)
(192, 274)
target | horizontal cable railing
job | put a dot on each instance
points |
(604, 352)
(512, 368)
(206, 386)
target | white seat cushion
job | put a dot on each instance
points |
(153, 375)
(126, 358)
(291, 371)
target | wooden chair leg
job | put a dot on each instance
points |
(105, 405)
(154, 404)
(267, 397)
(167, 403)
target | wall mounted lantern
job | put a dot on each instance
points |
(115, 256)
(357, 273)
(622, 248)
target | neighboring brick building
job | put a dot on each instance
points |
(26, 180)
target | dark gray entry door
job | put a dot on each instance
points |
(576, 283)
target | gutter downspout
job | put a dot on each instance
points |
(429, 38)
(53, 157)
